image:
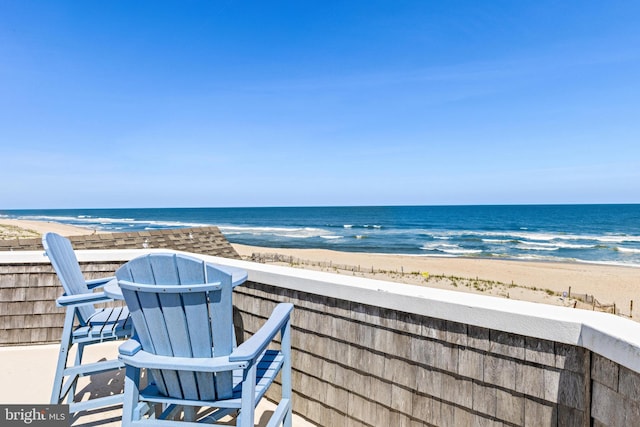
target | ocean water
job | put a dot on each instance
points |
(608, 234)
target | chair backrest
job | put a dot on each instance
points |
(65, 263)
(181, 306)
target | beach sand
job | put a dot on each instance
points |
(543, 282)
(21, 229)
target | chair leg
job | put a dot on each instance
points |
(63, 355)
(59, 376)
(247, 410)
(287, 388)
(131, 396)
(78, 361)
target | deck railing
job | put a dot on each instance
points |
(374, 353)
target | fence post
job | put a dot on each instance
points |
(569, 295)
(631, 310)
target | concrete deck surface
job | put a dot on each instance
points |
(26, 375)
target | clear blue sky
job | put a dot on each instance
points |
(277, 103)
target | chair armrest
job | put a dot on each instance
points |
(143, 359)
(98, 283)
(129, 347)
(254, 346)
(82, 299)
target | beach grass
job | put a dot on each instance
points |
(12, 232)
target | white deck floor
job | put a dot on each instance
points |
(26, 373)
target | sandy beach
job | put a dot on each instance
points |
(22, 229)
(543, 282)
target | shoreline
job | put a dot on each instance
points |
(528, 280)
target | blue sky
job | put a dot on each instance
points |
(290, 103)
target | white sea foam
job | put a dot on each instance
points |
(438, 246)
(462, 251)
(496, 240)
(544, 237)
(613, 263)
(534, 236)
(439, 255)
(539, 244)
(348, 226)
(627, 250)
(331, 237)
(290, 232)
(618, 238)
(563, 245)
(449, 249)
(535, 246)
(165, 224)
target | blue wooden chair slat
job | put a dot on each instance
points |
(165, 270)
(104, 324)
(182, 311)
(64, 261)
(84, 324)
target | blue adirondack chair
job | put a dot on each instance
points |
(84, 325)
(182, 313)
